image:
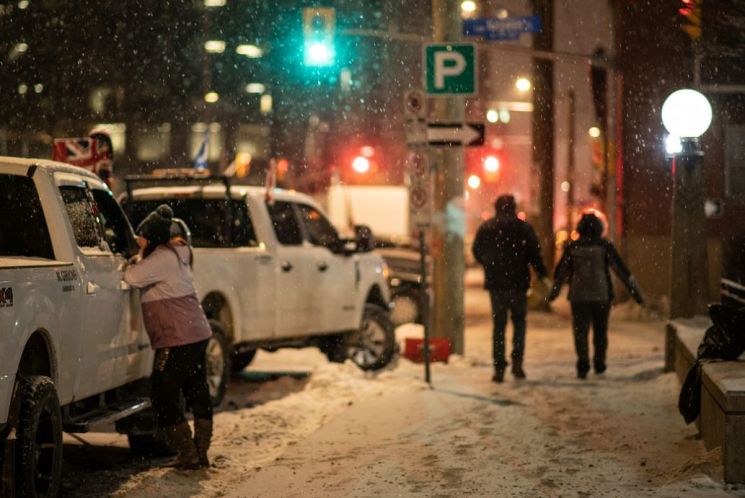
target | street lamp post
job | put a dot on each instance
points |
(686, 114)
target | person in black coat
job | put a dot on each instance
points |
(586, 265)
(507, 247)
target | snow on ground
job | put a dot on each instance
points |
(340, 432)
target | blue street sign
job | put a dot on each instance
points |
(492, 28)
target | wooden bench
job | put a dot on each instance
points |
(722, 419)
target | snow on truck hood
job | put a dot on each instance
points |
(24, 262)
(215, 192)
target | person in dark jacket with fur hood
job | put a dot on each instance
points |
(507, 247)
(585, 265)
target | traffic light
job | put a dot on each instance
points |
(319, 24)
(691, 11)
(486, 163)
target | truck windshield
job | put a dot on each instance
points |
(211, 223)
(23, 230)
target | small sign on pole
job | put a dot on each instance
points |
(450, 69)
(420, 190)
(495, 29)
(454, 134)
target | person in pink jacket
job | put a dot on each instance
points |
(178, 331)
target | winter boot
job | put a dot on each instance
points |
(179, 439)
(202, 439)
(498, 376)
(517, 369)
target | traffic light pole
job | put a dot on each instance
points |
(448, 315)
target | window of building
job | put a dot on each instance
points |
(213, 134)
(153, 142)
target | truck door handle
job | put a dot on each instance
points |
(264, 258)
(322, 266)
(91, 288)
(286, 266)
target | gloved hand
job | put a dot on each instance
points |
(635, 291)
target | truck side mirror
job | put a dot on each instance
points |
(363, 236)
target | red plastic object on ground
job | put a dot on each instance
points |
(439, 349)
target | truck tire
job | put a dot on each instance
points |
(373, 345)
(406, 307)
(39, 439)
(242, 360)
(218, 362)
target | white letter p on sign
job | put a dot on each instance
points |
(447, 64)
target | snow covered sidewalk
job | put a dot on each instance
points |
(341, 432)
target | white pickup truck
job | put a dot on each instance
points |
(74, 352)
(275, 273)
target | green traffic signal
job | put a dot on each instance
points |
(318, 32)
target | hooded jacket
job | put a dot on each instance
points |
(585, 265)
(171, 310)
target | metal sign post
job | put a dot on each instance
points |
(424, 302)
(420, 200)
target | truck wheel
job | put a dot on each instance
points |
(218, 363)
(242, 360)
(372, 346)
(406, 306)
(39, 438)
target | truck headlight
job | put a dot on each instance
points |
(385, 271)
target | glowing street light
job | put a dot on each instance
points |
(594, 132)
(214, 46)
(687, 114)
(523, 84)
(250, 51)
(468, 7)
(211, 97)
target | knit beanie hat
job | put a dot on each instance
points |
(156, 227)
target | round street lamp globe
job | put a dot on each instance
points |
(686, 113)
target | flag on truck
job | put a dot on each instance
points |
(200, 159)
(90, 153)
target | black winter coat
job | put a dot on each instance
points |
(585, 265)
(506, 247)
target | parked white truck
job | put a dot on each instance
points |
(73, 352)
(274, 271)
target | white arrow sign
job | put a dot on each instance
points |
(454, 134)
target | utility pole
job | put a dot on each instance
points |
(570, 161)
(448, 315)
(543, 127)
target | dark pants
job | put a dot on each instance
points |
(180, 370)
(583, 315)
(516, 303)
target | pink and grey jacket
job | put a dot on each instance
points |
(170, 308)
